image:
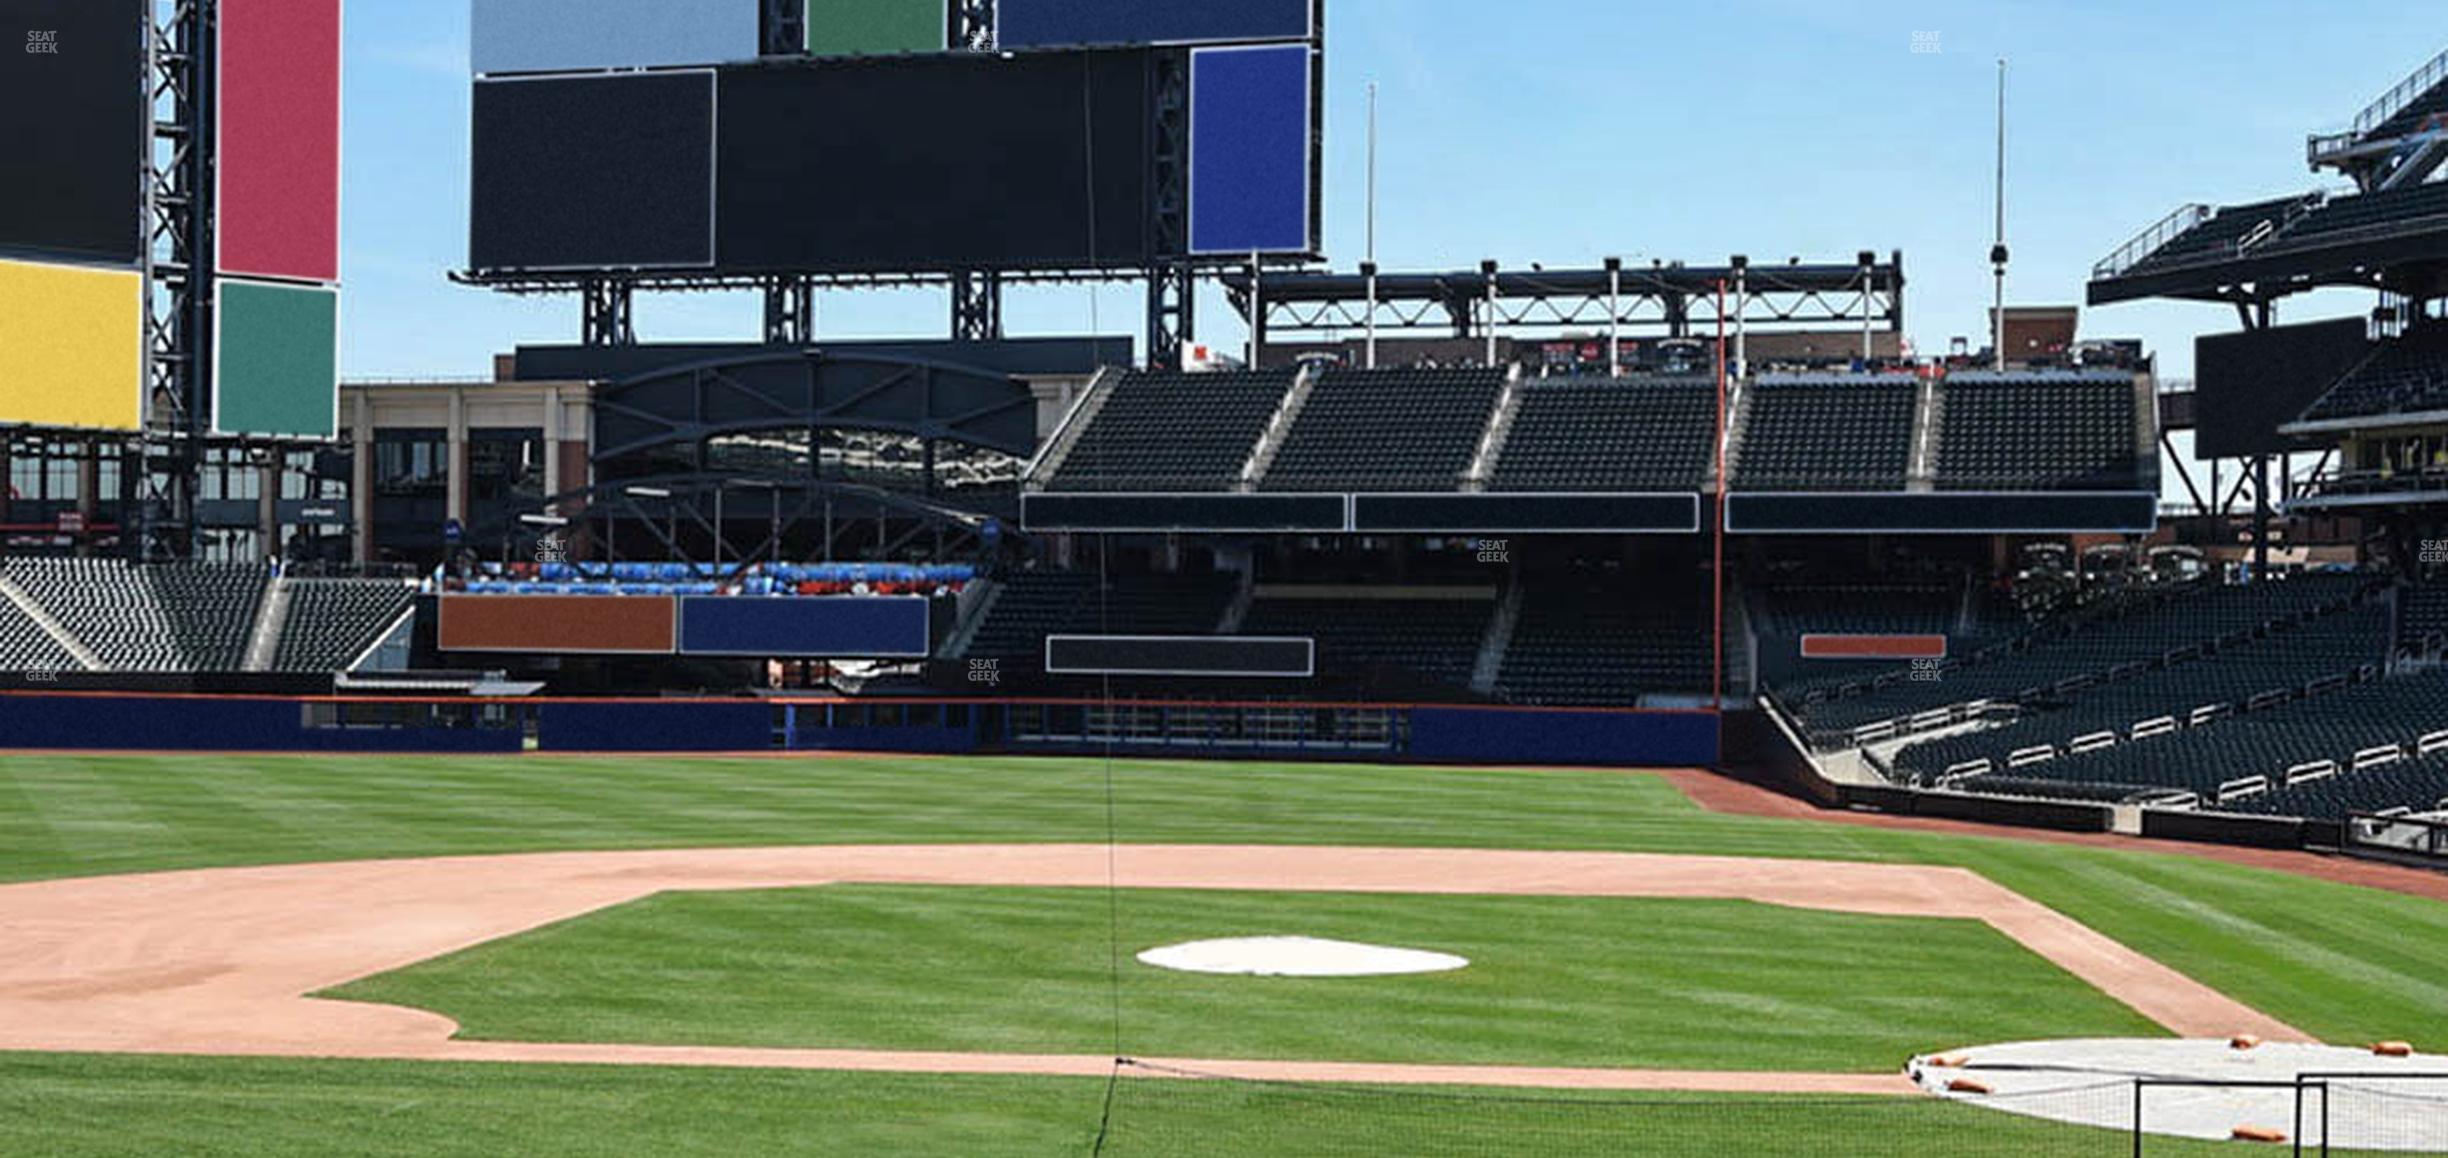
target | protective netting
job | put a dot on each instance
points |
(2381, 1113)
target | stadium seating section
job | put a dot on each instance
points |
(1387, 430)
(2218, 237)
(1026, 606)
(331, 622)
(2366, 213)
(1436, 640)
(1172, 432)
(1827, 433)
(1586, 644)
(25, 646)
(2120, 641)
(2404, 376)
(2032, 432)
(2422, 617)
(167, 617)
(2218, 761)
(1601, 434)
(2276, 698)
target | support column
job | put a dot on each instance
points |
(361, 479)
(268, 475)
(455, 451)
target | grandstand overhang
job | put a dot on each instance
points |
(2411, 263)
(1672, 300)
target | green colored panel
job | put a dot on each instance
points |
(875, 27)
(279, 370)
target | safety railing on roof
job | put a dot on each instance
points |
(2416, 83)
(2150, 240)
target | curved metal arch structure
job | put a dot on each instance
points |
(811, 389)
(696, 518)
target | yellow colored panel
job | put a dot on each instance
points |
(71, 346)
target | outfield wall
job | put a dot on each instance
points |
(1391, 733)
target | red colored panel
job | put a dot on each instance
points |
(1874, 647)
(280, 138)
(549, 624)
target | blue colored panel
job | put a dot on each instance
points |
(1632, 739)
(631, 726)
(564, 35)
(1087, 23)
(216, 724)
(1249, 150)
(827, 627)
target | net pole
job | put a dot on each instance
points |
(1717, 535)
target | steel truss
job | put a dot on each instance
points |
(736, 521)
(160, 480)
(1674, 300)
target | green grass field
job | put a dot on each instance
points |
(246, 1108)
(1673, 984)
(2346, 963)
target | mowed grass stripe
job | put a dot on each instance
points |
(66, 1106)
(2346, 963)
(1576, 981)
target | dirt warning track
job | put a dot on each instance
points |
(219, 961)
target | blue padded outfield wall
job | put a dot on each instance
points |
(1091, 23)
(216, 724)
(208, 723)
(570, 35)
(1547, 736)
(848, 625)
(1249, 149)
(649, 726)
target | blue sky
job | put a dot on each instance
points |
(1560, 131)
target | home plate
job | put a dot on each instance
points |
(1297, 957)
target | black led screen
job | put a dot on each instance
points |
(73, 114)
(2248, 384)
(592, 172)
(960, 161)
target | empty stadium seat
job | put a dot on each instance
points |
(1827, 432)
(1027, 606)
(1595, 643)
(2402, 376)
(332, 622)
(1387, 430)
(1625, 434)
(153, 617)
(1434, 639)
(2088, 647)
(2038, 431)
(1172, 432)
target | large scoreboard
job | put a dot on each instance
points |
(883, 141)
(74, 107)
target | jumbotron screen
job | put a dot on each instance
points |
(948, 161)
(72, 109)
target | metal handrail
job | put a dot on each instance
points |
(2151, 239)
(2389, 103)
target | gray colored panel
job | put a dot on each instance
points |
(558, 35)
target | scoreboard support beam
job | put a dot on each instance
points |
(977, 306)
(1172, 312)
(790, 311)
(606, 314)
(179, 259)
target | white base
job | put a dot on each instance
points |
(1297, 957)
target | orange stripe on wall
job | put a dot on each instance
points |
(1874, 647)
